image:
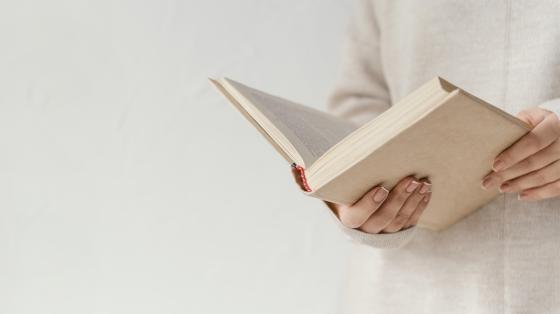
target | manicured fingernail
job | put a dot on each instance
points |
(425, 187)
(380, 195)
(505, 187)
(488, 182)
(498, 165)
(412, 186)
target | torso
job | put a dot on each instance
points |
(505, 258)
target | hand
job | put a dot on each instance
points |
(383, 211)
(531, 165)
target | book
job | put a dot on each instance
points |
(439, 131)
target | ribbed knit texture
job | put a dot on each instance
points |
(505, 258)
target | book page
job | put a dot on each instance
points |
(310, 131)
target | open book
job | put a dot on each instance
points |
(438, 131)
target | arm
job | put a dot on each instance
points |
(381, 218)
(361, 91)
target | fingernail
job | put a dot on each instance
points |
(412, 186)
(522, 196)
(380, 195)
(425, 187)
(426, 198)
(488, 182)
(498, 165)
(505, 187)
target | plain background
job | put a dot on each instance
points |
(128, 185)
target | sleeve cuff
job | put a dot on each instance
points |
(380, 241)
(393, 240)
(552, 105)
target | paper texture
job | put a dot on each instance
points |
(454, 146)
(311, 132)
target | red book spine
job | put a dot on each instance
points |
(301, 171)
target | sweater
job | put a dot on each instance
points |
(505, 257)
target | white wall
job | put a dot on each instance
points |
(128, 185)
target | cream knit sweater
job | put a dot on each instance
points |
(505, 258)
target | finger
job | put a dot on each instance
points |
(533, 179)
(537, 161)
(549, 190)
(544, 133)
(419, 210)
(391, 206)
(533, 116)
(355, 215)
(407, 209)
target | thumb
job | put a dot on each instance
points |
(532, 116)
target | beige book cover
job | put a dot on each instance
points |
(438, 131)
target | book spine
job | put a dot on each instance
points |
(301, 172)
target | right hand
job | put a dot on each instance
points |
(383, 211)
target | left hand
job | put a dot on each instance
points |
(531, 166)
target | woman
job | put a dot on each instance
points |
(504, 258)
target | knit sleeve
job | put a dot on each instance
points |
(393, 240)
(361, 94)
(552, 105)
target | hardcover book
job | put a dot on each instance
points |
(438, 131)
